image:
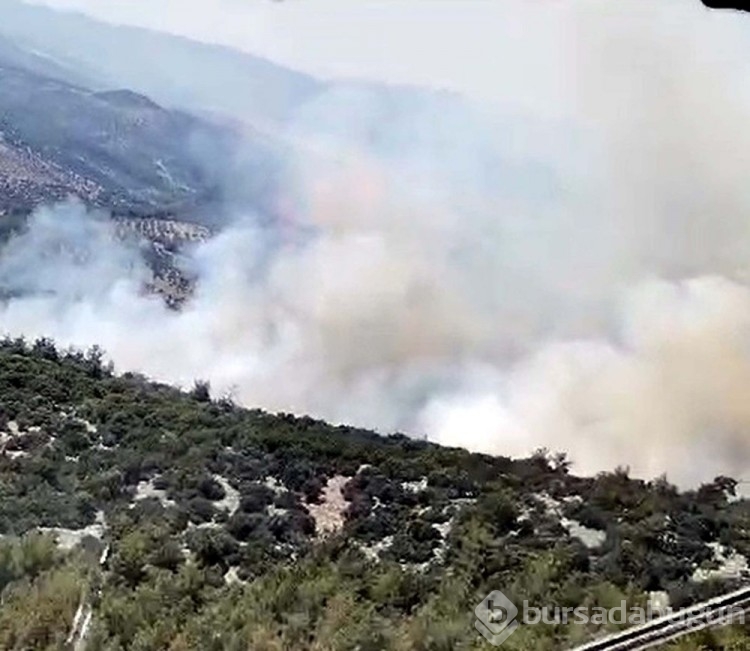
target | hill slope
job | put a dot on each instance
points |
(189, 523)
(116, 148)
(106, 56)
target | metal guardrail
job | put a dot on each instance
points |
(715, 613)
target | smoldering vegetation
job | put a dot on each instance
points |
(461, 272)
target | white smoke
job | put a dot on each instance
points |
(492, 282)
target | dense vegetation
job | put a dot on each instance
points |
(202, 532)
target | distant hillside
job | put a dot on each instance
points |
(185, 522)
(426, 137)
(105, 56)
(11, 54)
(116, 149)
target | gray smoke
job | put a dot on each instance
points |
(490, 281)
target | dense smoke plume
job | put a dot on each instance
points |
(489, 281)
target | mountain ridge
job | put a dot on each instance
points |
(252, 87)
(95, 146)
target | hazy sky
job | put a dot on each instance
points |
(507, 50)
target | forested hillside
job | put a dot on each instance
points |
(116, 149)
(137, 516)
